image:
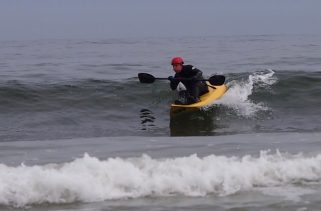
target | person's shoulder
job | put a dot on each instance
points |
(189, 67)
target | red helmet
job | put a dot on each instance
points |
(177, 60)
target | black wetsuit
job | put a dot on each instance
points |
(195, 88)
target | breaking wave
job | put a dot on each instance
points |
(238, 95)
(89, 179)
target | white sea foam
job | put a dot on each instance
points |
(89, 179)
(237, 96)
(289, 193)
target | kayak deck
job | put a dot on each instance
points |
(214, 93)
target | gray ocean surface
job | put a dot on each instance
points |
(79, 132)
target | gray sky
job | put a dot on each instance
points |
(99, 19)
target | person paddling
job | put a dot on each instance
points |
(191, 78)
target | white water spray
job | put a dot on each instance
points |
(237, 96)
(89, 179)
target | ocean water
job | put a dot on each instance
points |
(79, 132)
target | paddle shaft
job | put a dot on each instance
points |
(161, 78)
(183, 79)
(189, 79)
(214, 80)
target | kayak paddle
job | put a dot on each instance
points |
(216, 80)
(148, 78)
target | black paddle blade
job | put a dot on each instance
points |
(217, 80)
(146, 78)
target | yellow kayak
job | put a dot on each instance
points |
(214, 93)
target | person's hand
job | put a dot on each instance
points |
(171, 79)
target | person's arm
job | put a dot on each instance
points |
(196, 73)
(173, 82)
